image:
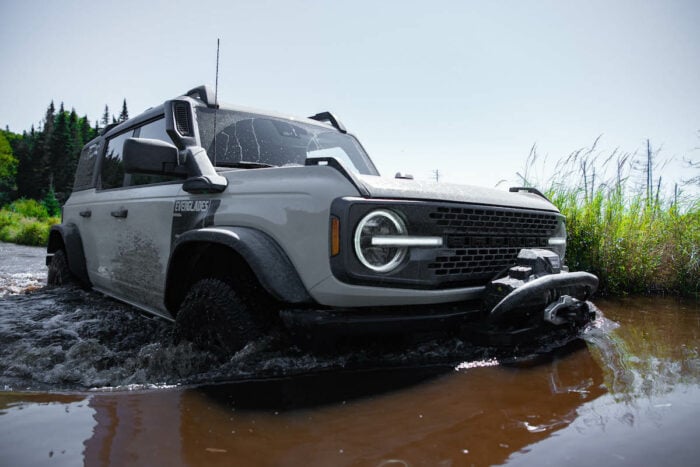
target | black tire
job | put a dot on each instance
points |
(213, 317)
(59, 272)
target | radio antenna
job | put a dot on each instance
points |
(216, 96)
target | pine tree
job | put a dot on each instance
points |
(124, 115)
(49, 119)
(51, 203)
(76, 137)
(86, 133)
(35, 168)
(47, 158)
(61, 156)
(105, 117)
(32, 173)
(75, 144)
(22, 148)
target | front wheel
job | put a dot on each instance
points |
(215, 318)
(59, 272)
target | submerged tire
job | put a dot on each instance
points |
(213, 317)
(59, 272)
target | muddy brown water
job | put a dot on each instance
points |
(84, 380)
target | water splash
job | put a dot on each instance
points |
(69, 339)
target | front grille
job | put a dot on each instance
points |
(484, 241)
(494, 221)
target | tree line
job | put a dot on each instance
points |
(40, 163)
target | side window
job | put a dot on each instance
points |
(112, 173)
(155, 130)
(86, 168)
(152, 130)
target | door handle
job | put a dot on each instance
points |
(87, 213)
(120, 213)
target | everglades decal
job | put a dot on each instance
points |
(191, 214)
(190, 205)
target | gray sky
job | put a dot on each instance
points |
(462, 87)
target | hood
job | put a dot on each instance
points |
(379, 187)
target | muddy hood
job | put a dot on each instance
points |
(379, 187)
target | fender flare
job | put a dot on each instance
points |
(266, 259)
(70, 236)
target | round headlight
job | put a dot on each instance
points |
(379, 258)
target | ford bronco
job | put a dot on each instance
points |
(226, 220)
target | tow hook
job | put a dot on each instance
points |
(566, 310)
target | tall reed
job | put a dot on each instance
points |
(627, 232)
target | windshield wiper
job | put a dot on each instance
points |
(245, 165)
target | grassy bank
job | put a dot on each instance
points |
(624, 229)
(26, 222)
(631, 245)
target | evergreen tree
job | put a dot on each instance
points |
(105, 117)
(49, 119)
(22, 148)
(32, 176)
(51, 203)
(47, 159)
(66, 143)
(75, 144)
(86, 133)
(76, 136)
(33, 171)
(60, 155)
(114, 120)
(124, 115)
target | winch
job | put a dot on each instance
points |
(539, 289)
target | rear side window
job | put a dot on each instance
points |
(112, 171)
(86, 168)
(154, 130)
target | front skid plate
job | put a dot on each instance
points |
(372, 322)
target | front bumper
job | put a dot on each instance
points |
(508, 306)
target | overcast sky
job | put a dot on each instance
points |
(462, 87)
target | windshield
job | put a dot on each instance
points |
(250, 140)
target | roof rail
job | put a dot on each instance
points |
(204, 93)
(328, 117)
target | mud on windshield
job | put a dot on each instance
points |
(235, 139)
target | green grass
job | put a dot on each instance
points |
(26, 222)
(632, 236)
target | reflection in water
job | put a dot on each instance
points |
(137, 429)
(653, 349)
(43, 429)
(630, 398)
(478, 416)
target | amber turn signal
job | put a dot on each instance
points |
(335, 236)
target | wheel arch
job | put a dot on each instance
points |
(214, 251)
(67, 237)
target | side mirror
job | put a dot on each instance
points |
(151, 156)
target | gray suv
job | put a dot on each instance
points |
(227, 220)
